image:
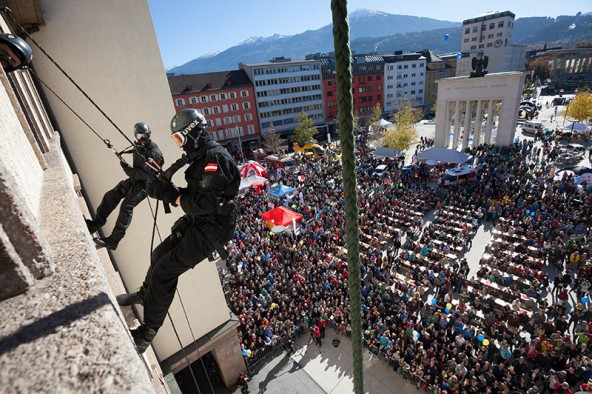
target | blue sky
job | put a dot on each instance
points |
(187, 29)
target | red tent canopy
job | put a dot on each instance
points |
(252, 168)
(281, 217)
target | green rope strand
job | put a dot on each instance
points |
(346, 121)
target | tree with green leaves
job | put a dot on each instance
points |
(305, 130)
(403, 134)
(374, 115)
(272, 140)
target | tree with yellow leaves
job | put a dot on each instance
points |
(403, 134)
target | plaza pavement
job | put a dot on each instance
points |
(310, 370)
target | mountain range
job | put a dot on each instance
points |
(375, 31)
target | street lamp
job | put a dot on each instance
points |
(240, 145)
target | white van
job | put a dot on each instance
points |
(532, 127)
(460, 175)
(379, 170)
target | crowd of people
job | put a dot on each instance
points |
(520, 322)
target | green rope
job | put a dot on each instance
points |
(346, 125)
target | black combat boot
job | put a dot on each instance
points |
(143, 337)
(106, 242)
(92, 226)
(130, 299)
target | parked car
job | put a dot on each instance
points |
(532, 127)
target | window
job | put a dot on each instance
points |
(500, 24)
(236, 119)
(473, 46)
(474, 39)
(483, 27)
(231, 95)
(250, 129)
(218, 122)
(246, 105)
(369, 78)
(413, 65)
(203, 99)
(227, 120)
(509, 24)
(248, 117)
(490, 36)
(475, 29)
(481, 45)
(234, 107)
(206, 111)
(467, 30)
(466, 40)
(220, 134)
(179, 102)
(216, 110)
(499, 35)
(225, 108)
(193, 100)
(492, 25)
(244, 93)
(222, 96)
(420, 64)
(489, 45)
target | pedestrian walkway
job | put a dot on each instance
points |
(480, 242)
(310, 370)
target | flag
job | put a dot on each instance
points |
(532, 74)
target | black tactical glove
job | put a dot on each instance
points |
(126, 168)
(162, 190)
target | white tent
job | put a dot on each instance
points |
(382, 123)
(576, 127)
(444, 155)
(248, 181)
(387, 152)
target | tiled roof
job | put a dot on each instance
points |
(181, 84)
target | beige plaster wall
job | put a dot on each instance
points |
(109, 48)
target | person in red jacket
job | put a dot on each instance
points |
(316, 334)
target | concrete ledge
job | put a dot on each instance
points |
(65, 334)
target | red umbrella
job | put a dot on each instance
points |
(252, 168)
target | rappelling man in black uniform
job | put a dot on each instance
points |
(208, 223)
(131, 190)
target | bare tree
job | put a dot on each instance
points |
(272, 140)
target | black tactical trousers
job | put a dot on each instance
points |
(132, 193)
(182, 250)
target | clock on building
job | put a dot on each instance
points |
(498, 43)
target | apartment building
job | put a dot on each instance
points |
(404, 80)
(490, 33)
(437, 67)
(367, 84)
(283, 89)
(226, 99)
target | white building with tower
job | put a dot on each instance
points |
(492, 34)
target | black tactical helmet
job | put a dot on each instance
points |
(142, 132)
(184, 122)
(20, 48)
